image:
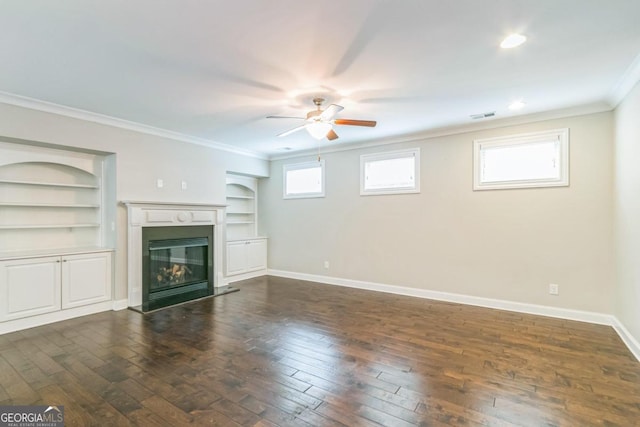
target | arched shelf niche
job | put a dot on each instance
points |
(50, 205)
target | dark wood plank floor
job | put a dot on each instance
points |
(288, 353)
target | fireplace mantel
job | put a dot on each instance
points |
(162, 214)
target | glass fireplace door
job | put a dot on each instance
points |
(177, 262)
(177, 265)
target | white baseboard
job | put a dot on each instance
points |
(627, 338)
(541, 310)
(56, 316)
(120, 304)
(230, 279)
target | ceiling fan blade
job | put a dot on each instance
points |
(350, 122)
(331, 135)
(284, 117)
(290, 131)
(331, 111)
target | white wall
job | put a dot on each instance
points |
(627, 211)
(140, 160)
(503, 244)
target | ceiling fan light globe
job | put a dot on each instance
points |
(318, 130)
(513, 40)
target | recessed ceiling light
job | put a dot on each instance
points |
(516, 105)
(513, 40)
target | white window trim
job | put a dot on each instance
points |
(364, 158)
(562, 135)
(304, 165)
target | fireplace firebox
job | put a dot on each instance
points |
(177, 265)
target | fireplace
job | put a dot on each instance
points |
(163, 224)
(177, 265)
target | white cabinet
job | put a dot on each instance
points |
(256, 254)
(236, 258)
(29, 287)
(34, 286)
(245, 256)
(86, 279)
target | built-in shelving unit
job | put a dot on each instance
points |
(46, 205)
(43, 226)
(46, 184)
(63, 212)
(246, 252)
(57, 233)
(241, 207)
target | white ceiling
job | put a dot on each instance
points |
(214, 69)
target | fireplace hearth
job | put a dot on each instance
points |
(177, 265)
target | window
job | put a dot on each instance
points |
(538, 159)
(390, 173)
(303, 180)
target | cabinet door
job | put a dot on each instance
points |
(29, 287)
(256, 255)
(236, 257)
(86, 279)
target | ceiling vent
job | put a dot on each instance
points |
(483, 115)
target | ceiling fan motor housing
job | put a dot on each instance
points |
(311, 114)
(318, 102)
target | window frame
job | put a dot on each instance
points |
(390, 155)
(303, 165)
(561, 135)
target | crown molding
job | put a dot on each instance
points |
(62, 110)
(621, 89)
(625, 83)
(592, 108)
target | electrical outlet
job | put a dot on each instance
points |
(184, 185)
(326, 264)
(554, 289)
(159, 183)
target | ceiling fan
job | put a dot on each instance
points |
(320, 122)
